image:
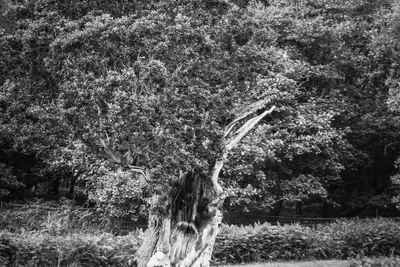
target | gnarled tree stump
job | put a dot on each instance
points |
(187, 235)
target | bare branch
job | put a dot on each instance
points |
(106, 152)
(244, 112)
(242, 131)
(144, 178)
(231, 143)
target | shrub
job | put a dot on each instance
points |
(341, 239)
(235, 244)
(42, 249)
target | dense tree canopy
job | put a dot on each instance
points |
(159, 82)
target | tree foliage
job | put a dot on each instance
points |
(160, 81)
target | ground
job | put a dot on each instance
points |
(328, 263)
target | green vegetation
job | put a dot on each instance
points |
(338, 240)
(71, 74)
(55, 222)
(366, 262)
(124, 100)
(348, 239)
(77, 249)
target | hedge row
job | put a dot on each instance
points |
(258, 243)
(338, 240)
(79, 249)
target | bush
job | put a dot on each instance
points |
(339, 240)
(235, 244)
(43, 249)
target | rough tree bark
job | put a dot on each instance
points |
(185, 234)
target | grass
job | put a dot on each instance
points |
(365, 262)
(325, 263)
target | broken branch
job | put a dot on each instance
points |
(239, 134)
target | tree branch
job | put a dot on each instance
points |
(106, 152)
(242, 131)
(244, 112)
(232, 142)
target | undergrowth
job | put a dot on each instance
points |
(78, 249)
(342, 239)
(50, 245)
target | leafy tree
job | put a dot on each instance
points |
(391, 47)
(157, 94)
(343, 55)
(161, 92)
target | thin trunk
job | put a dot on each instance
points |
(325, 210)
(299, 208)
(54, 187)
(277, 207)
(72, 185)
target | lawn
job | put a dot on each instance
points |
(365, 262)
(325, 263)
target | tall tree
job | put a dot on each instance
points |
(164, 91)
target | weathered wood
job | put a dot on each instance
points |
(232, 142)
(188, 233)
(199, 255)
(150, 238)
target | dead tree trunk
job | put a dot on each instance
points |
(185, 236)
